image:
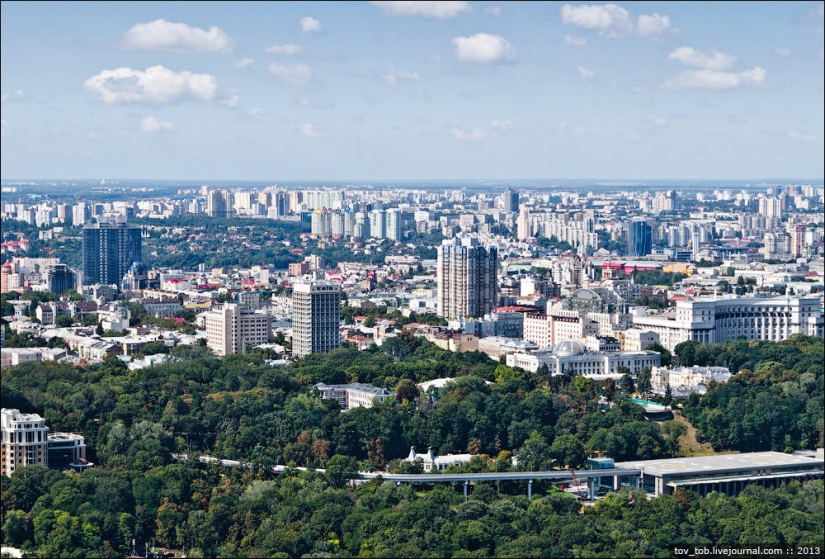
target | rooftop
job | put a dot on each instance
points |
(721, 463)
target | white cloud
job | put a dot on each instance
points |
(482, 48)
(16, 96)
(494, 11)
(310, 25)
(657, 121)
(496, 128)
(611, 20)
(309, 131)
(260, 115)
(575, 41)
(154, 85)
(176, 37)
(231, 101)
(586, 74)
(710, 79)
(244, 62)
(575, 131)
(152, 125)
(652, 25)
(793, 134)
(629, 135)
(4, 128)
(783, 51)
(315, 104)
(432, 10)
(692, 57)
(283, 49)
(818, 12)
(56, 130)
(295, 74)
(392, 77)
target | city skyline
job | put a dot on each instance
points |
(412, 91)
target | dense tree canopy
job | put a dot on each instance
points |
(239, 407)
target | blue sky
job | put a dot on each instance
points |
(412, 90)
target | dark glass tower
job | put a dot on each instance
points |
(639, 239)
(109, 248)
(60, 278)
(510, 200)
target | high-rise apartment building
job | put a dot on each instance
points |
(220, 203)
(466, 278)
(25, 440)
(523, 224)
(393, 225)
(377, 224)
(316, 316)
(797, 231)
(233, 327)
(321, 222)
(60, 277)
(639, 238)
(109, 248)
(511, 200)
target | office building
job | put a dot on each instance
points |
(109, 248)
(467, 285)
(639, 239)
(67, 451)
(316, 316)
(511, 200)
(572, 357)
(714, 320)
(60, 278)
(231, 328)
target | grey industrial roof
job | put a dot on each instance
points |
(721, 463)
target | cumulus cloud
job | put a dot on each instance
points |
(392, 77)
(243, 63)
(310, 25)
(482, 48)
(232, 100)
(629, 135)
(9, 97)
(711, 79)
(794, 135)
(283, 49)
(309, 131)
(496, 128)
(494, 11)
(586, 74)
(713, 61)
(575, 41)
(156, 84)
(176, 37)
(783, 51)
(258, 114)
(152, 125)
(611, 20)
(295, 74)
(431, 10)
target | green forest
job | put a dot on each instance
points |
(238, 407)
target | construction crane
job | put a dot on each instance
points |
(578, 487)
